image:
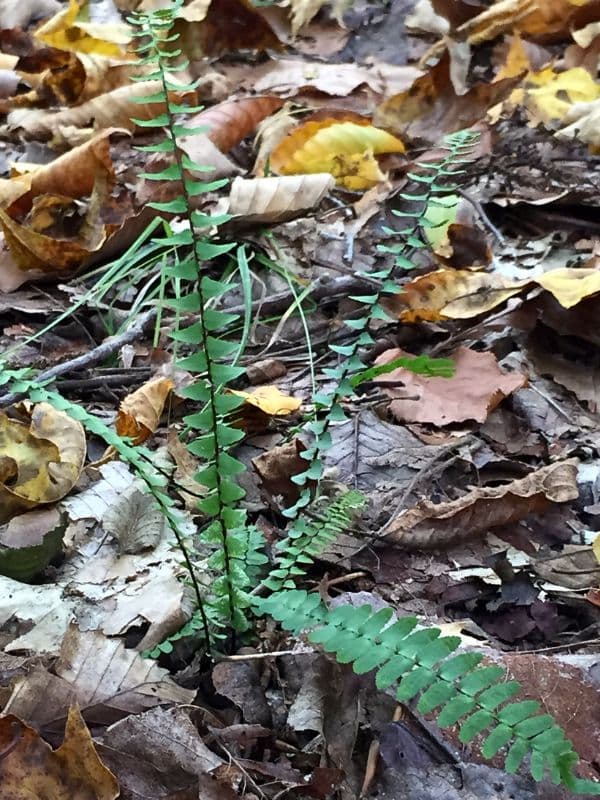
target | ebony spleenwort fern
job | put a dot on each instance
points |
(457, 688)
(435, 178)
(302, 543)
(226, 528)
(474, 695)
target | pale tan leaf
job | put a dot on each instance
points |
(271, 200)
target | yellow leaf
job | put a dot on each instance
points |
(570, 286)
(596, 547)
(451, 294)
(344, 149)
(270, 400)
(65, 32)
(547, 101)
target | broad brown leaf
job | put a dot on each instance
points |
(431, 107)
(231, 121)
(476, 388)
(139, 413)
(29, 768)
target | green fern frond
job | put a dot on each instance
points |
(225, 532)
(457, 688)
(309, 537)
(328, 406)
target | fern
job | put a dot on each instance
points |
(213, 437)
(457, 687)
(351, 371)
(308, 538)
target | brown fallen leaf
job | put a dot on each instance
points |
(437, 525)
(140, 412)
(30, 768)
(222, 26)
(431, 107)
(229, 122)
(476, 388)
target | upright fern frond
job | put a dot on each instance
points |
(456, 687)
(225, 529)
(328, 406)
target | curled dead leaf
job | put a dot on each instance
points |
(432, 525)
(140, 412)
(39, 462)
(269, 200)
(451, 294)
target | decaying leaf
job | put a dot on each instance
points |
(39, 462)
(269, 200)
(476, 388)
(101, 675)
(30, 768)
(451, 294)
(135, 521)
(345, 149)
(140, 412)
(431, 107)
(430, 525)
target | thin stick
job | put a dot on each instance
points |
(107, 348)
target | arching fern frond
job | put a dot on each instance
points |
(458, 688)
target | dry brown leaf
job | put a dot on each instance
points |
(542, 20)
(140, 412)
(431, 107)
(286, 78)
(223, 26)
(30, 768)
(451, 294)
(72, 174)
(113, 109)
(432, 525)
(269, 200)
(475, 389)
(101, 675)
(229, 122)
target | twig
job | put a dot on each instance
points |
(480, 210)
(107, 348)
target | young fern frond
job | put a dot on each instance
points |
(225, 529)
(309, 537)
(328, 407)
(457, 688)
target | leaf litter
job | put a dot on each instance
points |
(483, 486)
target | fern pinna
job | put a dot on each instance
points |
(456, 687)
